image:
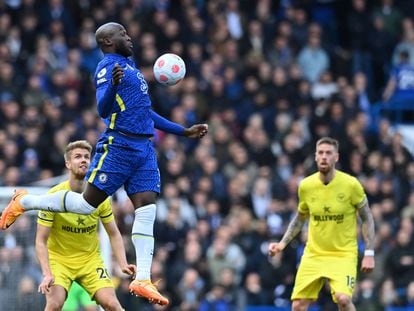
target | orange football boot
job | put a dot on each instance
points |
(148, 290)
(13, 210)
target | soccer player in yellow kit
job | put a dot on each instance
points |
(67, 244)
(330, 200)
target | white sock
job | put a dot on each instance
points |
(60, 201)
(143, 240)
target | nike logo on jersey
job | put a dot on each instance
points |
(128, 66)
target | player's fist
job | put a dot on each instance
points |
(117, 74)
(129, 269)
(275, 248)
(368, 264)
(196, 131)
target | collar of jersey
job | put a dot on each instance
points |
(117, 57)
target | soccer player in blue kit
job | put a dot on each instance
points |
(125, 155)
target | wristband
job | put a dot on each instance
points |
(369, 252)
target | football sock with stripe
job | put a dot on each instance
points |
(143, 240)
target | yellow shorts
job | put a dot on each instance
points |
(313, 271)
(92, 275)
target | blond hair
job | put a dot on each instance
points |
(81, 144)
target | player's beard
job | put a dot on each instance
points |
(324, 170)
(80, 175)
(125, 50)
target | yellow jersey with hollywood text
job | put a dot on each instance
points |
(332, 210)
(74, 237)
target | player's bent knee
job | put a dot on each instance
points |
(342, 299)
(54, 305)
(300, 304)
(111, 304)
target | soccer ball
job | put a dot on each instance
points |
(169, 69)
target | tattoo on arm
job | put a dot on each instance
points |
(368, 226)
(294, 228)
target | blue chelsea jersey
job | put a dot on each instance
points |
(404, 76)
(131, 109)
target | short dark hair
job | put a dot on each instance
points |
(328, 140)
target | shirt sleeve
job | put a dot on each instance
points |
(165, 125)
(105, 91)
(45, 218)
(358, 196)
(302, 206)
(105, 211)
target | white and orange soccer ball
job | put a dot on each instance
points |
(169, 69)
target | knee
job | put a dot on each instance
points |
(342, 300)
(143, 198)
(54, 305)
(300, 305)
(111, 305)
(148, 197)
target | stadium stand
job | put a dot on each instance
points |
(270, 78)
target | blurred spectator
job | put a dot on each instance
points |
(223, 253)
(391, 14)
(388, 295)
(216, 299)
(366, 296)
(253, 41)
(313, 59)
(27, 298)
(406, 43)
(325, 87)
(279, 53)
(400, 87)
(34, 95)
(400, 262)
(261, 197)
(277, 278)
(410, 295)
(358, 27)
(381, 44)
(254, 294)
(30, 171)
(190, 290)
(408, 210)
(172, 199)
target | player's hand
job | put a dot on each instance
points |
(117, 74)
(368, 264)
(196, 131)
(129, 269)
(275, 248)
(47, 282)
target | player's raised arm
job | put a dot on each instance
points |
(195, 131)
(166, 125)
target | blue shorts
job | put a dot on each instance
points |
(124, 161)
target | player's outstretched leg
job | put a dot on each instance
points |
(13, 210)
(148, 290)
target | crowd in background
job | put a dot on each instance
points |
(270, 78)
